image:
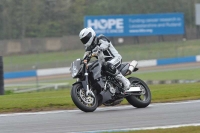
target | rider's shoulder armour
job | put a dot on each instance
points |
(101, 36)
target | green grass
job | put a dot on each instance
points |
(190, 74)
(128, 52)
(189, 129)
(36, 101)
(175, 92)
(61, 99)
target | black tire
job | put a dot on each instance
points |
(78, 102)
(136, 101)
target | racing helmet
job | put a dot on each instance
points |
(87, 35)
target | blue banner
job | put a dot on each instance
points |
(137, 25)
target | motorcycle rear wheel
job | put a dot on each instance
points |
(86, 104)
(142, 100)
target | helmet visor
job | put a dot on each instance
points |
(85, 39)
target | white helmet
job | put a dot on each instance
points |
(87, 36)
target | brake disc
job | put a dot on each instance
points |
(88, 99)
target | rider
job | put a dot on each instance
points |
(111, 56)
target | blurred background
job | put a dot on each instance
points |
(41, 34)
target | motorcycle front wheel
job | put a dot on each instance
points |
(142, 100)
(83, 102)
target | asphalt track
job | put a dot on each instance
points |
(107, 119)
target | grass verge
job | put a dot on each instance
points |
(190, 74)
(61, 99)
(128, 52)
(189, 129)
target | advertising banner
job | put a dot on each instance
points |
(137, 25)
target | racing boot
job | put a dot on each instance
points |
(124, 81)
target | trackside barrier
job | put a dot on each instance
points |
(54, 71)
(176, 60)
(21, 74)
(54, 87)
(65, 70)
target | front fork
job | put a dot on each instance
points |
(86, 83)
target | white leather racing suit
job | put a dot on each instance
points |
(111, 55)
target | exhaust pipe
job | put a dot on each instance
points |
(132, 66)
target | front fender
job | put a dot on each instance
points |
(81, 82)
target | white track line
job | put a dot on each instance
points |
(99, 109)
(142, 128)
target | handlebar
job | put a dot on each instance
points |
(89, 56)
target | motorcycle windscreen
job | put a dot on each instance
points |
(96, 69)
(75, 68)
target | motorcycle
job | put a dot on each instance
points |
(94, 87)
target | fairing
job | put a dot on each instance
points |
(76, 68)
